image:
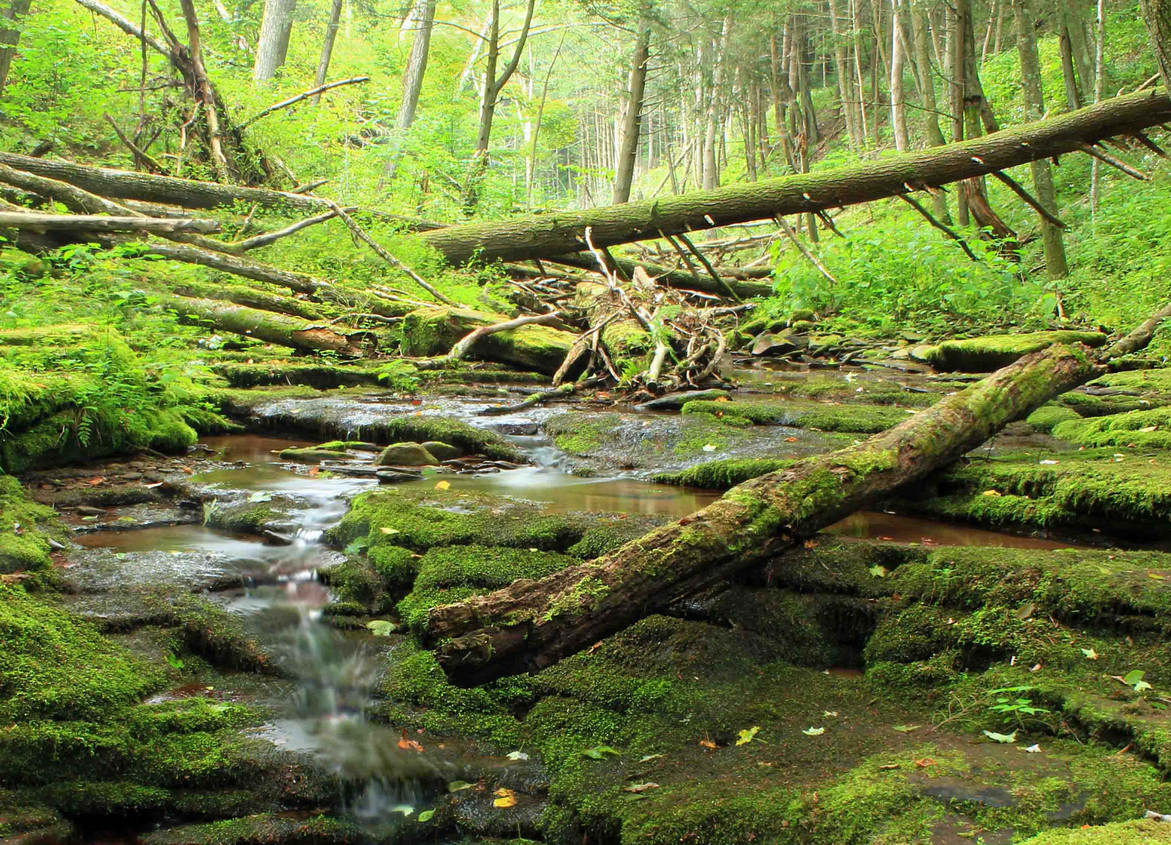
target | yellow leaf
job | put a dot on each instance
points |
(386, 530)
(991, 493)
(505, 798)
(443, 485)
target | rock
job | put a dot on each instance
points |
(89, 510)
(275, 539)
(523, 428)
(311, 454)
(444, 451)
(985, 354)
(390, 476)
(406, 455)
(781, 343)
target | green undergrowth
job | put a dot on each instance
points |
(25, 528)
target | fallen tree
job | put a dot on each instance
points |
(561, 233)
(532, 624)
(265, 325)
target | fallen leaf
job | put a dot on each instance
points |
(707, 743)
(1090, 653)
(505, 798)
(426, 815)
(905, 729)
(991, 493)
(924, 762)
(314, 472)
(747, 735)
(878, 570)
(810, 544)
(708, 447)
(790, 439)
(888, 767)
(1004, 738)
(1025, 610)
(516, 755)
(642, 787)
(96, 480)
(386, 530)
(459, 786)
(443, 485)
(408, 744)
(650, 757)
(813, 731)
(599, 752)
(1148, 429)
(829, 714)
(1034, 749)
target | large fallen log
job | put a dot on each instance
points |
(99, 223)
(264, 325)
(560, 233)
(532, 624)
(188, 193)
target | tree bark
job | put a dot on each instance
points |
(549, 235)
(632, 118)
(272, 47)
(10, 37)
(845, 80)
(1157, 16)
(416, 65)
(533, 624)
(898, 101)
(331, 28)
(100, 223)
(1055, 264)
(262, 325)
(189, 193)
(925, 71)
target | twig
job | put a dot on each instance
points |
(707, 265)
(943, 227)
(1020, 191)
(360, 233)
(140, 155)
(792, 236)
(1150, 145)
(542, 397)
(283, 104)
(267, 238)
(1105, 157)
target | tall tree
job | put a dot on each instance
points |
(632, 117)
(424, 18)
(898, 100)
(1157, 15)
(489, 92)
(926, 84)
(272, 47)
(10, 36)
(331, 28)
(1055, 263)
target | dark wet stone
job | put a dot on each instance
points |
(675, 401)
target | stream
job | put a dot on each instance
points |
(280, 600)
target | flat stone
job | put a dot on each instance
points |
(675, 401)
(89, 510)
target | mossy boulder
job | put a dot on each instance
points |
(25, 528)
(406, 455)
(857, 418)
(433, 331)
(985, 354)
(1047, 416)
(443, 451)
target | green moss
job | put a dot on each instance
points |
(262, 829)
(1136, 429)
(433, 331)
(396, 566)
(25, 528)
(421, 519)
(723, 474)
(863, 419)
(484, 566)
(984, 354)
(579, 435)
(1141, 832)
(1047, 416)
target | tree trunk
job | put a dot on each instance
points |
(331, 28)
(262, 325)
(493, 84)
(549, 235)
(1073, 98)
(845, 80)
(1157, 16)
(632, 119)
(1055, 264)
(276, 26)
(188, 193)
(898, 102)
(416, 64)
(533, 624)
(926, 76)
(10, 37)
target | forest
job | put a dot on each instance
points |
(585, 422)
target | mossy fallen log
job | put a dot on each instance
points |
(264, 325)
(533, 624)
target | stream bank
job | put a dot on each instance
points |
(253, 675)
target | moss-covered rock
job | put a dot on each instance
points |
(433, 331)
(722, 475)
(862, 419)
(985, 354)
(1047, 416)
(25, 528)
(262, 829)
(443, 451)
(1134, 430)
(406, 455)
